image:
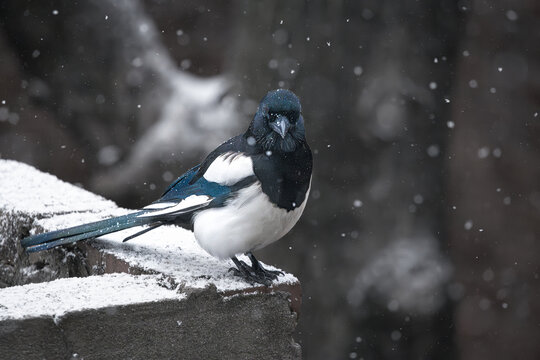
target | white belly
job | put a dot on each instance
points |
(247, 222)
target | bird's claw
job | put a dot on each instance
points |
(253, 275)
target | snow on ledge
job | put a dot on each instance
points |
(62, 296)
(24, 188)
(168, 250)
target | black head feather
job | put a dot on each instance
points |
(278, 125)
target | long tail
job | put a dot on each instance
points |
(155, 215)
(91, 230)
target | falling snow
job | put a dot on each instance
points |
(511, 15)
(358, 70)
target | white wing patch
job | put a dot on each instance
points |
(172, 207)
(158, 206)
(229, 168)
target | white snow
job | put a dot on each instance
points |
(395, 335)
(473, 84)
(358, 70)
(28, 190)
(58, 297)
(512, 15)
(483, 152)
(433, 150)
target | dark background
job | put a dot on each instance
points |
(421, 235)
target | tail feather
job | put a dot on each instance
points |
(150, 228)
(86, 231)
(156, 215)
(70, 239)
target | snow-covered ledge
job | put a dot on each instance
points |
(157, 296)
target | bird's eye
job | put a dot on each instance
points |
(292, 116)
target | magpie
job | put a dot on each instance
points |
(247, 193)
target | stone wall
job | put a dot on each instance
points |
(158, 296)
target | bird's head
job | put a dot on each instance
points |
(278, 125)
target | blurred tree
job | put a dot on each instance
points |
(100, 68)
(378, 129)
(494, 185)
(383, 100)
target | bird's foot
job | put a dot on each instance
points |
(255, 273)
(256, 265)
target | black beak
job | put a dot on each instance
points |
(281, 125)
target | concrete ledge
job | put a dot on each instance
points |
(119, 316)
(157, 296)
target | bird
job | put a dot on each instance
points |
(246, 194)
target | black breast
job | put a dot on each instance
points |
(285, 177)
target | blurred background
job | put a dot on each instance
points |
(421, 236)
